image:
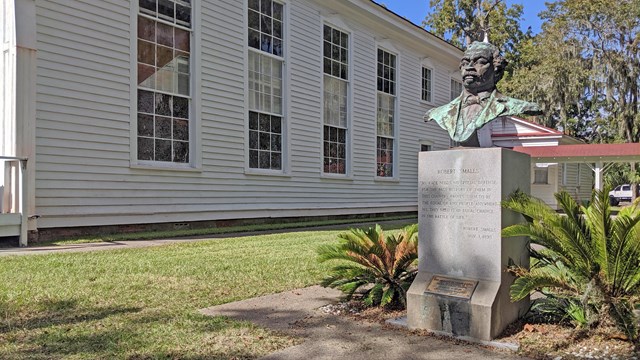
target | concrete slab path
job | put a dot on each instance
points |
(329, 336)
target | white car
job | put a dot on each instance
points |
(620, 193)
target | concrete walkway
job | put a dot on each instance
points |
(329, 336)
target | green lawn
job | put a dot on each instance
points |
(142, 303)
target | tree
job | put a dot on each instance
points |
(461, 22)
(551, 72)
(585, 68)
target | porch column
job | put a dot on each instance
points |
(599, 170)
(25, 97)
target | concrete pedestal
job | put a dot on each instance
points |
(462, 287)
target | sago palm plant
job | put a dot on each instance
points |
(382, 266)
(585, 257)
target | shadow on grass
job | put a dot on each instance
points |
(57, 312)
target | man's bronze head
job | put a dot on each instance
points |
(481, 67)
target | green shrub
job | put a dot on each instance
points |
(586, 259)
(382, 266)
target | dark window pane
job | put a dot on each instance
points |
(276, 142)
(277, 47)
(344, 41)
(163, 150)
(163, 127)
(265, 160)
(276, 125)
(327, 33)
(145, 125)
(253, 140)
(181, 130)
(254, 4)
(265, 43)
(183, 14)
(254, 39)
(327, 66)
(276, 161)
(277, 11)
(180, 151)
(180, 107)
(254, 20)
(253, 120)
(253, 159)
(265, 141)
(264, 123)
(148, 5)
(165, 7)
(145, 101)
(163, 104)
(265, 25)
(277, 29)
(265, 7)
(145, 148)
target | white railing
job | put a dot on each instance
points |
(14, 213)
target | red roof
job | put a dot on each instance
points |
(584, 152)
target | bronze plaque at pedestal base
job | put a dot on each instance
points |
(447, 286)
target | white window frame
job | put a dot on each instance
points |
(337, 23)
(428, 143)
(285, 125)
(427, 64)
(386, 46)
(579, 175)
(195, 109)
(451, 80)
(540, 168)
(565, 174)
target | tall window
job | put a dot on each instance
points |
(426, 84)
(456, 88)
(336, 82)
(266, 60)
(386, 113)
(164, 96)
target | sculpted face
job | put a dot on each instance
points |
(476, 66)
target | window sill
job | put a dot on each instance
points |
(339, 177)
(387, 179)
(158, 167)
(427, 103)
(258, 172)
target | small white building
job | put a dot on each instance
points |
(575, 177)
(176, 111)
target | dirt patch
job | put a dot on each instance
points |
(537, 341)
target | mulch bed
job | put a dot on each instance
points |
(537, 341)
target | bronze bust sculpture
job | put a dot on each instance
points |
(481, 67)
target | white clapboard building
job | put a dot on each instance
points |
(178, 111)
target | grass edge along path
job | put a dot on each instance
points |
(142, 303)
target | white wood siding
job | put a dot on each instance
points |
(578, 188)
(83, 122)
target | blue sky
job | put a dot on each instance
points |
(416, 10)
